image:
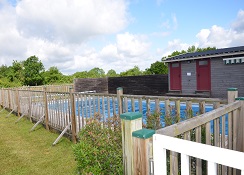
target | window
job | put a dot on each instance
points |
(203, 63)
(175, 64)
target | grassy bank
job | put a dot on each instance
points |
(24, 152)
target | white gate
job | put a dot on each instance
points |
(213, 155)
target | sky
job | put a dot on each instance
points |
(78, 35)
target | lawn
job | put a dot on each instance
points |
(24, 152)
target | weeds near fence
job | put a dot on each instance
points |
(99, 150)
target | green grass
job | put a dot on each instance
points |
(24, 152)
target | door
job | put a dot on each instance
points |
(175, 76)
(203, 75)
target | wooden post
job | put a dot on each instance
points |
(130, 121)
(3, 105)
(73, 116)
(232, 94)
(142, 140)
(9, 104)
(240, 130)
(120, 102)
(30, 105)
(46, 107)
(17, 101)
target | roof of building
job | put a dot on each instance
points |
(231, 51)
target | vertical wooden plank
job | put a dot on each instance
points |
(46, 109)
(189, 112)
(108, 110)
(17, 101)
(140, 105)
(132, 104)
(187, 136)
(94, 105)
(99, 105)
(73, 116)
(86, 110)
(223, 139)
(173, 162)
(114, 109)
(167, 117)
(157, 107)
(230, 136)
(198, 161)
(125, 104)
(208, 133)
(177, 110)
(119, 99)
(82, 111)
(103, 106)
(148, 106)
(216, 132)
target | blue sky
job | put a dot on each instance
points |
(78, 35)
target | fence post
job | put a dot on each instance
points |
(232, 94)
(17, 101)
(142, 140)
(9, 103)
(130, 121)
(120, 102)
(30, 105)
(46, 107)
(240, 129)
(73, 117)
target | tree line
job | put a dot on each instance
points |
(31, 72)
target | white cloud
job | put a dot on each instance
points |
(238, 24)
(70, 20)
(128, 51)
(221, 37)
(131, 45)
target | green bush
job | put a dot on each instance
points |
(99, 150)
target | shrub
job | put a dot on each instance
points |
(99, 150)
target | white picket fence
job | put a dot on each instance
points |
(213, 155)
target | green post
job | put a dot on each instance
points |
(130, 121)
(142, 141)
(232, 94)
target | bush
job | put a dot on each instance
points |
(99, 150)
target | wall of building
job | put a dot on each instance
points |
(188, 77)
(100, 85)
(225, 76)
(140, 85)
(137, 85)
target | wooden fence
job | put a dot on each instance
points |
(222, 127)
(67, 111)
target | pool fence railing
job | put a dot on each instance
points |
(66, 111)
(188, 147)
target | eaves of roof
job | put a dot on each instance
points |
(234, 51)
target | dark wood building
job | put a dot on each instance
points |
(207, 73)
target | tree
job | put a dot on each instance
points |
(112, 73)
(33, 69)
(157, 68)
(83, 74)
(52, 75)
(132, 72)
(96, 73)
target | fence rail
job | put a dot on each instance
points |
(213, 155)
(222, 127)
